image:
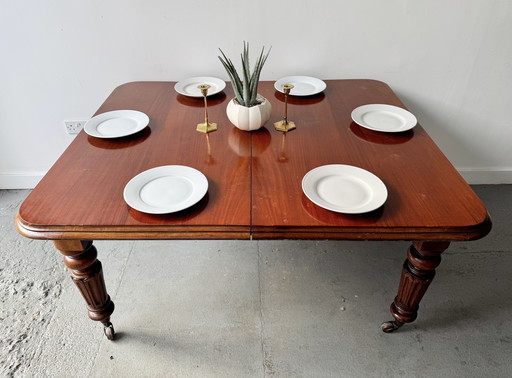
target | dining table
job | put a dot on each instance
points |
(255, 184)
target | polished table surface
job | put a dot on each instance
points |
(255, 177)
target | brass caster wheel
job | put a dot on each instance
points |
(390, 326)
(109, 331)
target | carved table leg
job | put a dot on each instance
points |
(417, 274)
(87, 274)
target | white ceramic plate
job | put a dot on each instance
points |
(188, 87)
(344, 189)
(302, 85)
(115, 124)
(381, 117)
(165, 189)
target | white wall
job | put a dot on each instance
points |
(449, 61)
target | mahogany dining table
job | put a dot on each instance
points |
(254, 184)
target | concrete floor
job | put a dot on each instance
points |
(257, 309)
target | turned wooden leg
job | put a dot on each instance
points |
(87, 274)
(417, 274)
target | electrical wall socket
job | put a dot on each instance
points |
(74, 127)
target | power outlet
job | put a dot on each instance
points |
(74, 127)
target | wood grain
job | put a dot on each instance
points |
(87, 274)
(254, 177)
(81, 197)
(427, 198)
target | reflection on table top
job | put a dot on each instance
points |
(254, 177)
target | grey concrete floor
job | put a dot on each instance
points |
(257, 309)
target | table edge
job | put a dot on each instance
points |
(467, 233)
(129, 232)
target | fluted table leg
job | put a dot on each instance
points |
(87, 274)
(417, 274)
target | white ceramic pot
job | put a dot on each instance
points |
(249, 118)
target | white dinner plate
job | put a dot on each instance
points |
(188, 87)
(381, 117)
(302, 85)
(344, 189)
(116, 124)
(165, 189)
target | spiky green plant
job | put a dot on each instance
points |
(245, 88)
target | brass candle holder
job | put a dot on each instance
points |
(285, 125)
(207, 126)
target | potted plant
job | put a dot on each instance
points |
(248, 110)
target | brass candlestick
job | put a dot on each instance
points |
(205, 127)
(285, 125)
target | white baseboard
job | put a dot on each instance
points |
(474, 176)
(21, 180)
(494, 175)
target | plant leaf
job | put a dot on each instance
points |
(233, 75)
(245, 87)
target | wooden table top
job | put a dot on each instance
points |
(254, 177)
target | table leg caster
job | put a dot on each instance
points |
(390, 326)
(109, 330)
